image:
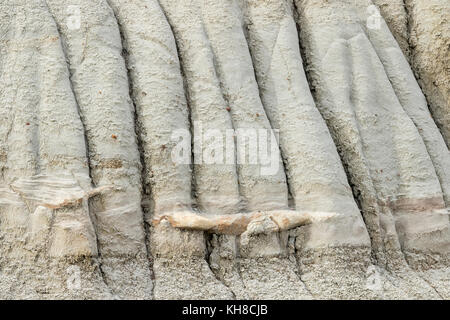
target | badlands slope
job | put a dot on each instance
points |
(93, 205)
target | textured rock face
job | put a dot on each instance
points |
(421, 28)
(127, 169)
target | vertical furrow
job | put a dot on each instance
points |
(401, 182)
(312, 162)
(157, 90)
(101, 89)
(395, 15)
(392, 168)
(46, 161)
(216, 181)
(430, 43)
(413, 102)
(263, 254)
(215, 177)
(223, 25)
(431, 236)
(179, 266)
(19, 123)
(336, 107)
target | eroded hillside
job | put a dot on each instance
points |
(128, 169)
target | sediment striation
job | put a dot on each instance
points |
(122, 173)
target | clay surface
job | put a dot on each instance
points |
(234, 149)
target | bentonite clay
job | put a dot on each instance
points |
(354, 96)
